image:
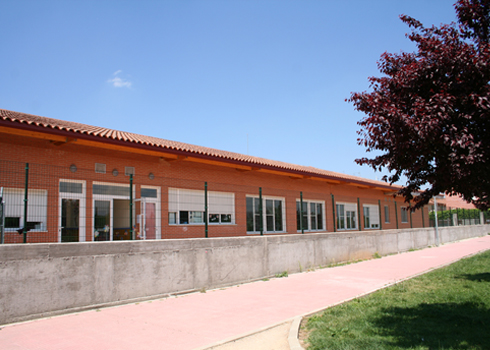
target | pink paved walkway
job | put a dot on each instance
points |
(202, 319)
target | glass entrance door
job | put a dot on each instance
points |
(70, 220)
(120, 212)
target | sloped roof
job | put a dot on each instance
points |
(456, 201)
(50, 125)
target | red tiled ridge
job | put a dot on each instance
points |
(104, 133)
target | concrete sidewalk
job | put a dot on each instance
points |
(201, 320)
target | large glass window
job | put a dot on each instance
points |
(313, 214)
(371, 216)
(272, 214)
(187, 207)
(346, 216)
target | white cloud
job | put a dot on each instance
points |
(119, 82)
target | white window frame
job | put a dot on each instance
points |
(82, 198)
(37, 207)
(341, 208)
(371, 216)
(219, 203)
(308, 214)
(264, 214)
(110, 198)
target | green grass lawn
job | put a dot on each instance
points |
(448, 308)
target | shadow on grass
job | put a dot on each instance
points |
(477, 277)
(437, 326)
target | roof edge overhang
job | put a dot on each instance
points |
(127, 146)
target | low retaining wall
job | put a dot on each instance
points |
(47, 279)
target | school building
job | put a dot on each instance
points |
(87, 183)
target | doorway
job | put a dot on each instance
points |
(111, 220)
(71, 224)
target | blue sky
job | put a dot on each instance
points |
(265, 78)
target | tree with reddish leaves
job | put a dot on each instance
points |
(429, 115)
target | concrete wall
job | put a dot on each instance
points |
(48, 278)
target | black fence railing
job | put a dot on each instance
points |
(46, 203)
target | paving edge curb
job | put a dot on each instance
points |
(293, 334)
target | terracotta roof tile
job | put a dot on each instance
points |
(104, 133)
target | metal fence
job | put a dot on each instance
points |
(459, 217)
(46, 203)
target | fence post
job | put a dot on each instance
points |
(396, 215)
(261, 213)
(359, 213)
(131, 231)
(301, 212)
(410, 206)
(333, 212)
(437, 223)
(380, 218)
(24, 230)
(422, 210)
(206, 209)
(2, 217)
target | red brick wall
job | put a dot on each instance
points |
(49, 163)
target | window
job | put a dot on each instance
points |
(313, 215)
(37, 206)
(149, 192)
(346, 216)
(371, 216)
(273, 218)
(221, 207)
(111, 190)
(187, 207)
(71, 187)
(100, 168)
(387, 214)
(404, 214)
